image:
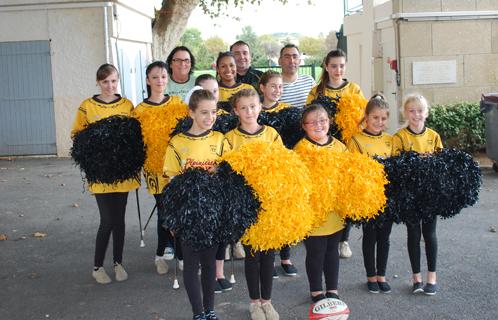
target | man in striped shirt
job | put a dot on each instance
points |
(296, 86)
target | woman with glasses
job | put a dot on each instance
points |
(181, 64)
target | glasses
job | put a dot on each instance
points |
(176, 60)
(317, 122)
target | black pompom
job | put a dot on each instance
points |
(110, 150)
(330, 104)
(182, 126)
(225, 105)
(240, 202)
(225, 123)
(424, 186)
(192, 207)
(287, 122)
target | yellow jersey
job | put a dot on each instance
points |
(371, 145)
(334, 222)
(155, 183)
(227, 92)
(426, 142)
(276, 107)
(347, 87)
(237, 137)
(92, 110)
(186, 151)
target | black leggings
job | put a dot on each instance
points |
(220, 253)
(164, 236)
(112, 208)
(345, 232)
(430, 239)
(259, 273)
(285, 253)
(207, 260)
(322, 256)
(372, 235)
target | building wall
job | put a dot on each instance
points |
(78, 46)
(471, 42)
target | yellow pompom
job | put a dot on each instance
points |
(157, 125)
(350, 112)
(350, 184)
(282, 183)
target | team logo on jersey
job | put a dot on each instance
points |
(430, 142)
(213, 148)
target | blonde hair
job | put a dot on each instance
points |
(418, 99)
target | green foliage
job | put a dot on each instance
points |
(215, 8)
(460, 125)
(250, 37)
(192, 39)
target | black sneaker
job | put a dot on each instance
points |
(373, 287)
(275, 274)
(201, 316)
(430, 289)
(210, 315)
(417, 287)
(289, 269)
(332, 295)
(317, 298)
(224, 284)
(217, 287)
(384, 287)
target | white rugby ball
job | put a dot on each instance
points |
(329, 309)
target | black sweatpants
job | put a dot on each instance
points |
(322, 256)
(191, 260)
(259, 273)
(428, 230)
(375, 235)
(164, 236)
(112, 208)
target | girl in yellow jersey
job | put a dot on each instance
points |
(322, 256)
(332, 83)
(416, 137)
(374, 142)
(111, 199)
(271, 86)
(258, 265)
(226, 72)
(157, 79)
(199, 147)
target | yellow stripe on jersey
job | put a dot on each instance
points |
(349, 87)
(276, 107)
(92, 110)
(426, 142)
(155, 183)
(226, 93)
(236, 138)
(370, 145)
(186, 151)
(334, 222)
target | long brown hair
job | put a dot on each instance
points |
(324, 78)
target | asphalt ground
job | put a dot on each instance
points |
(49, 277)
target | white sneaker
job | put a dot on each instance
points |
(180, 265)
(120, 272)
(270, 312)
(161, 265)
(238, 251)
(101, 276)
(169, 253)
(256, 312)
(344, 250)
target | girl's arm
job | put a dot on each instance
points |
(172, 162)
(80, 122)
(312, 95)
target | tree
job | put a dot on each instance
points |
(257, 52)
(192, 39)
(171, 20)
(313, 48)
(331, 41)
(270, 45)
(215, 45)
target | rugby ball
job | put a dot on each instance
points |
(328, 309)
